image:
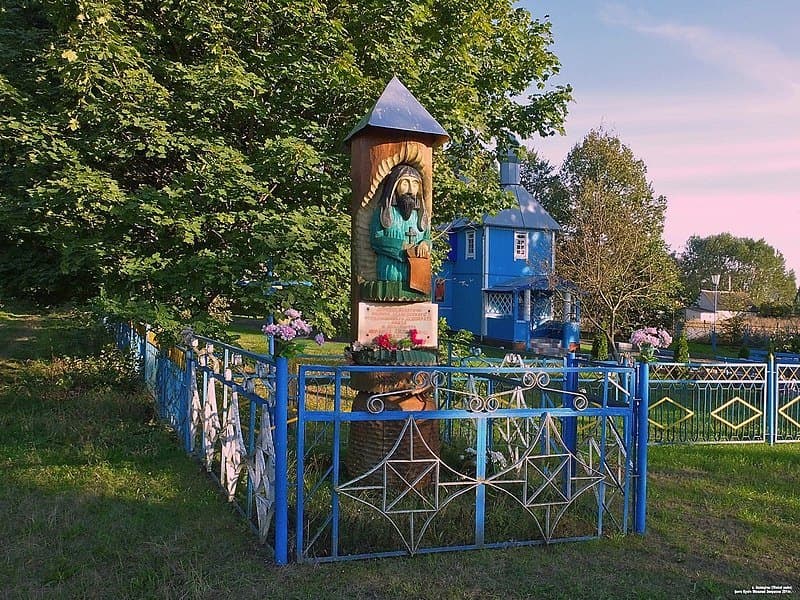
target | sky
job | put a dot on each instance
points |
(705, 92)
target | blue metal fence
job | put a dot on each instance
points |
(785, 416)
(494, 452)
(724, 402)
(503, 455)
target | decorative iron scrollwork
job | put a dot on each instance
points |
(375, 403)
(540, 380)
(472, 399)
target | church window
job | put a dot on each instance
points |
(520, 245)
(470, 245)
(499, 304)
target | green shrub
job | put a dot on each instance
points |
(600, 346)
(111, 368)
(462, 341)
(744, 352)
(732, 330)
(681, 348)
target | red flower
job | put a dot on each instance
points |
(415, 339)
(385, 342)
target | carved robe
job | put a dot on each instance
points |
(390, 244)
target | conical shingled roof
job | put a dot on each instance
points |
(529, 215)
(397, 108)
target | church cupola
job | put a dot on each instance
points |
(509, 162)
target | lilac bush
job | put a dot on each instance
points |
(288, 332)
(656, 338)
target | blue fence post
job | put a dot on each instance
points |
(282, 461)
(187, 399)
(482, 432)
(570, 424)
(772, 400)
(776, 397)
(642, 405)
(143, 353)
(270, 337)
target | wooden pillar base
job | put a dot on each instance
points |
(371, 441)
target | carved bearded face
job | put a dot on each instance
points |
(407, 195)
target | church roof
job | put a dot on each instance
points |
(398, 109)
(529, 214)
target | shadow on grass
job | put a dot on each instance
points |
(98, 500)
(101, 501)
(25, 336)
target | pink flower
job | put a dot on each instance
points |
(301, 326)
(650, 336)
(286, 332)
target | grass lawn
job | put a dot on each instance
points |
(703, 350)
(98, 500)
(249, 337)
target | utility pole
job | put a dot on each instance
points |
(715, 280)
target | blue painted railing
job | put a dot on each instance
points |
(728, 402)
(522, 454)
(507, 452)
(527, 454)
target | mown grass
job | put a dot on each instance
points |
(249, 337)
(98, 501)
(705, 350)
(247, 334)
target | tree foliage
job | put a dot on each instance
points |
(744, 264)
(600, 345)
(612, 244)
(681, 350)
(542, 180)
(156, 153)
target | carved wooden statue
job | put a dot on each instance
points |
(391, 211)
(392, 151)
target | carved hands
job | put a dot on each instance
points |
(421, 250)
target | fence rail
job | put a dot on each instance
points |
(496, 455)
(724, 403)
(483, 453)
(507, 456)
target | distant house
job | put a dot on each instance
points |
(498, 280)
(729, 304)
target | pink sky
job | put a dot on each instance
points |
(717, 124)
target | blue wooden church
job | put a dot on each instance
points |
(498, 280)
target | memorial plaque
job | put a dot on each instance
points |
(397, 319)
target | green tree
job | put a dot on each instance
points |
(744, 264)
(600, 345)
(611, 245)
(155, 153)
(542, 180)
